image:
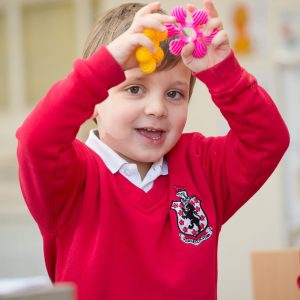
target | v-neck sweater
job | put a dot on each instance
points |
(110, 238)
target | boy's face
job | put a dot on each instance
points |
(144, 116)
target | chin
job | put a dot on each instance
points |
(150, 158)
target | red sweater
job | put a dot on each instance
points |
(110, 238)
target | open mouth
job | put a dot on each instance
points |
(152, 134)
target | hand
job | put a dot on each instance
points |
(219, 48)
(124, 46)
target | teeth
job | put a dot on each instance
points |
(150, 130)
(150, 133)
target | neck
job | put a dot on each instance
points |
(143, 169)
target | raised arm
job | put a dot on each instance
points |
(51, 161)
(238, 164)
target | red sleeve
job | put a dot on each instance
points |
(238, 164)
(51, 161)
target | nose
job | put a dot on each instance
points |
(156, 107)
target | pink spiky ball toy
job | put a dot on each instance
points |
(200, 40)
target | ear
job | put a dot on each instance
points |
(95, 113)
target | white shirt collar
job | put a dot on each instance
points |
(115, 163)
(112, 160)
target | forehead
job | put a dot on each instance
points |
(178, 74)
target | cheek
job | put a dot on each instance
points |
(120, 110)
(114, 122)
(179, 119)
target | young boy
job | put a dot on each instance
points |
(136, 212)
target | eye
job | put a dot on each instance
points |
(134, 90)
(175, 95)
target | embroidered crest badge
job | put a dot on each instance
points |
(191, 219)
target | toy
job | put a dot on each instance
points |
(199, 18)
(242, 42)
(148, 60)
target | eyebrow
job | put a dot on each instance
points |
(137, 78)
(141, 78)
(176, 82)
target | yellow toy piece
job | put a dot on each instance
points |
(148, 60)
(158, 55)
(150, 33)
(143, 54)
(161, 36)
(148, 67)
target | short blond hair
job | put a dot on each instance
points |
(115, 22)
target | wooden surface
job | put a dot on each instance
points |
(275, 274)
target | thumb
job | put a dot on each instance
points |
(187, 53)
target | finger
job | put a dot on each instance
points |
(221, 38)
(163, 18)
(147, 21)
(187, 52)
(214, 23)
(210, 8)
(191, 7)
(140, 39)
(148, 9)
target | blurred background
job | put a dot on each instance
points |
(39, 41)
